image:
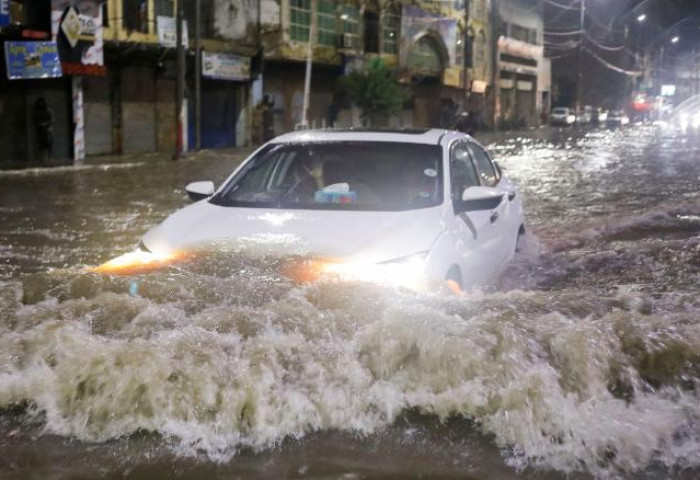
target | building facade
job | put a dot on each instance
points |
(424, 42)
(118, 94)
(524, 74)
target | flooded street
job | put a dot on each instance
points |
(582, 361)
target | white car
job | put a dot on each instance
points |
(562, 116)
(414, 208)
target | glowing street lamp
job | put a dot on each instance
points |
(675, 39)
(642, 18)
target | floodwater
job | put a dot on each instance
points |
(582, 361)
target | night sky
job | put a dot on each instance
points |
(613, 38)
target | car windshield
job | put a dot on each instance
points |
(384, 176)
(560, 111)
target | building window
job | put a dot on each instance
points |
(165, 8)
(350, 18)
(524, 34)
(299, 19)
(206, 17)
(391, 26)
(327, 27)
(371, 22)
(135, 15)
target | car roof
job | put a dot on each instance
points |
(432, 136)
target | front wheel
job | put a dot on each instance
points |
(453, 280)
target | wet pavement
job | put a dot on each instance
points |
(581, 361)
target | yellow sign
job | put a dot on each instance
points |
(452, 77)
(71, 27)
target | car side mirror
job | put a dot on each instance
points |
(200, 190)
(480, 198)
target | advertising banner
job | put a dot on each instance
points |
(76, 26)
(167, 32)
(32, 60)
(224, 66)
(4, 13)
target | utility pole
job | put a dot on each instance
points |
(180, 83)
(309, 62)
(198, 76)
(466, 59)
(579, 75)
(495, 67)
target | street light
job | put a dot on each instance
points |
(642, 18)
(675, 39)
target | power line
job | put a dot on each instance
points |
(605, 47)
(559, 5)
(563, 34)
(562, 55)
(631, 73)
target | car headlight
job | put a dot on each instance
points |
(407, 271)
(140, 260)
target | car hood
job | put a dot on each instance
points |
(369, 236)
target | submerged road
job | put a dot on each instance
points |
(583, 359)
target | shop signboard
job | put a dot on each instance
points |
(4, 13)
(77, 29)
(32, 60)
(167, 32)
(224, 66)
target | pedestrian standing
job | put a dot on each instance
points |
(43, 124)
(268, 119)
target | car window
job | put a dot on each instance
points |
(462, 172)
(385, 176)
(487, 173)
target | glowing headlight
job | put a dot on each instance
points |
(401, 272)
(140, 260)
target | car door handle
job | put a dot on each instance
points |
(511, 195)
(494, 217)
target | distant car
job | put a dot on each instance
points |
(585, 116)
(562, 116)
(419, 207)
(617, 118)
(600, 116)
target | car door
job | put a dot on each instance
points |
(504, 217)
(476, 235)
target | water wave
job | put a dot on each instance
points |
(216, 360)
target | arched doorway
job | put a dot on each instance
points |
(426, 61)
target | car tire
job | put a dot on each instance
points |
(453, 280)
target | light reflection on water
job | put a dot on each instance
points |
(582, 357)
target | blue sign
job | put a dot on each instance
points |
(4, 12)
(32, 60)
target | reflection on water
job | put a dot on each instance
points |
(582, 358)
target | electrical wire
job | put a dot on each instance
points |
(563, 34)
(561, 55)
(607, 28)
(615, 68)
(559, 5)
(564, 45)
(605, 47)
